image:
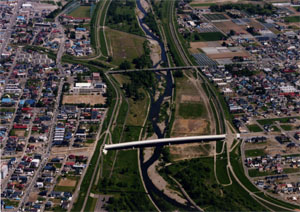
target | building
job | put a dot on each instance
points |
(88, 88)
(4, 171)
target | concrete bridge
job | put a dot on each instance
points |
(156, 69)
(162, 142)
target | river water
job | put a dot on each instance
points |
(155, 108)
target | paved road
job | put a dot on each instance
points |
(10, 26)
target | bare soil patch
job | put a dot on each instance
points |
(86, 99)
(189, 127)
(67, 182)
(190, 98)
(229, 55)
(189, 151)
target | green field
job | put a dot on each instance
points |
(191, 110)
(292, 19)
(124, 46)
(209, 36)
(254, 128)
(271, 121)
(254, 152)
(81, 12)
(257, 173)
(287, 127)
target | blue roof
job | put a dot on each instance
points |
(6, 100)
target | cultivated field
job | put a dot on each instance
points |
(226, 26)
(215, 16)
(124, 46)
(81, 12)
(85, 99)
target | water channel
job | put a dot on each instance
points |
(155, 108)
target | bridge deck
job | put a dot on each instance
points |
(164, 141)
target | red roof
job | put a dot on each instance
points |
(69, 163)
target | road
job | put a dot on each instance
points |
(10, 26)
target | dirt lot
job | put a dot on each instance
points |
(194, 150)
(189, 127)
(67, 182)
(20, 133)
(86, 99)
(226, 26)
(33, 196)
(195, 46)
(190, 98)
(228, 55)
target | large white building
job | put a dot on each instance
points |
(88, 88)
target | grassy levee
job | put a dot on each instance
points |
(219, 146)
(166, 25)
(237, 166)
(103, 46)
(87, 178)
(221, 168)
(91, 204)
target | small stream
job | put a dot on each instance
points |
(155, 108)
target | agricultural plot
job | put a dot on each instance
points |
(203, 60)
(215, 17)
(227, 26)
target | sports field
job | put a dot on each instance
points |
(81, 12)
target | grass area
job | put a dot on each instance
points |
(254, 152)
(81, 12)
(275, 128)
(57, 165)
(287, 127)
(257, 173)
(197, 178)
(254, 128)
(201, 4)
(124, 46)
(219, 146)
(210, 36)
(191, 110)
(221, 168)
(91, 204)
(271, 121)
(278, 202)
(237, 166)
(292, 19)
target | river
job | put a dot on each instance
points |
(155, 108)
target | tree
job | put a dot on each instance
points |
(125, 65)
(109, 59)
(232, 32)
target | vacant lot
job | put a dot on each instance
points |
(254, 152)
(81, 12)
(85, 99)
(254, 128)
(67, 182)
(190, 127)
(292, 19)
(124, 46)
(189, 151)
(226, 26)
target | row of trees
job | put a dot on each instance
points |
(267, 9)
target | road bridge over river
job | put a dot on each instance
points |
(161, 142)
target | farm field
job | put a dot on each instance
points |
(81, 12)
(226, 26)
(211, 36)
(215, 16)
(124, 46)
(84, 99)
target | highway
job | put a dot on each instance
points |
(164, 141)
